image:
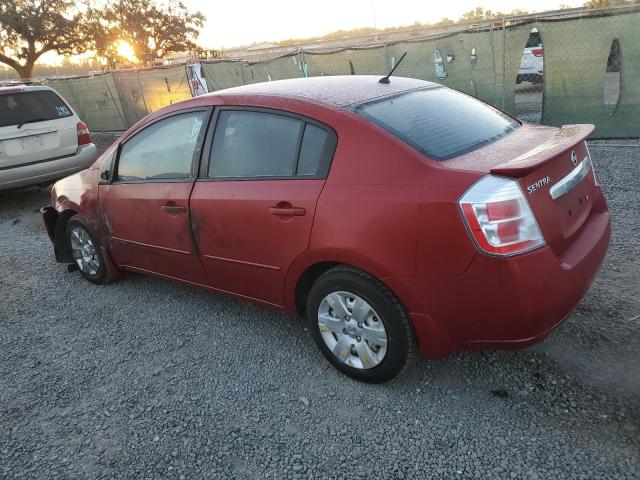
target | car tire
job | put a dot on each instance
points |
(374, 315)
(86, 251)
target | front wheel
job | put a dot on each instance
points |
(359, 325)
(86, 251)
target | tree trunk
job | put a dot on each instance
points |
(25, 71)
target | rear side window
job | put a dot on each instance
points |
(315, 152)
(163, 150)
(21, 108)
(248, 144)
(254, 144)
(439, 122)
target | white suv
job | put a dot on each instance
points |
(532, 63)
(41, 137)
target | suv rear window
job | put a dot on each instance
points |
(534, 40)
(29, 107)
(439, 122)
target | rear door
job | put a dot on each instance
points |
(252, 207)
(145, 205)
(35, 125)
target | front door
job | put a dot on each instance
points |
(146, 205)
(252, 207)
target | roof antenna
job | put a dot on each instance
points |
(386, 79)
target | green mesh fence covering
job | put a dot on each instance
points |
(277, 69)
(144, 91)
(132, 99)
(471, 62)
(95, 99)
(220, 75)
(164, 87)
(575, 71)
(581, 73)
(363, 61)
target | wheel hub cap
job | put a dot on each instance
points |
(84, 251)
(352, 330)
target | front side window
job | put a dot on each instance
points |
(254, 144)
(439, 122)
(33, 106)
(163, 150)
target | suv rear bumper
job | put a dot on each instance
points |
(506, 303)
(47, 170)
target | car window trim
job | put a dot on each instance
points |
(195, 160)
(325, 163)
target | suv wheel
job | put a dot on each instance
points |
(359, 325)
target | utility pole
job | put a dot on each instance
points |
(375, 24)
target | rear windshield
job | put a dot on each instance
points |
(439, 122)
(29, 107)
(534, 40)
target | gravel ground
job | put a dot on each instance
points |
(147, 379)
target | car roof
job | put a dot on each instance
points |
(337, 91)
(21, 87)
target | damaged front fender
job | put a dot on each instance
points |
(55, 224)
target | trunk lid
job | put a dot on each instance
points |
(554, 170)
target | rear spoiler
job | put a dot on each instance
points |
(567, 137)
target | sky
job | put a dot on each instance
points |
(243, 22)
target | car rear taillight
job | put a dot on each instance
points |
(84, 137)
(538, 51)
(499, 218)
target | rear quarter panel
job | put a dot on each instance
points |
(387, 210)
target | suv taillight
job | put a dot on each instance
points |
(499, 218)
(84, 137)
(538, 51)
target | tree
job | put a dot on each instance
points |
(480, 13)
(31, 28)
(477, 13)
(152, 31)
(606, 3)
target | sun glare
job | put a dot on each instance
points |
(125, 50)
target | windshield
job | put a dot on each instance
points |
(28, 107)
(439, 122)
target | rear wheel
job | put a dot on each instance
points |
(86, 251)
(359, 325)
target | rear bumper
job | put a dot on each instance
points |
(506, 303)
(48, 169)
(533, 77)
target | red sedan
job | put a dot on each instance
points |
(395, 217)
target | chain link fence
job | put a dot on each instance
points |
(551, 68)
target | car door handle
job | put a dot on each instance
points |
(287, 211)
(173, 208)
